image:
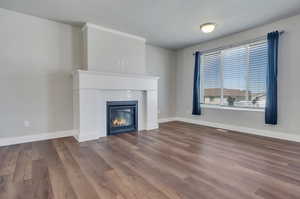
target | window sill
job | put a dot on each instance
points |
(232, 108)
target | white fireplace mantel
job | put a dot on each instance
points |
(92, 89)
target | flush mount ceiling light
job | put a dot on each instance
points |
(208, 27)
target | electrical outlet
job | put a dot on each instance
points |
(27, 124)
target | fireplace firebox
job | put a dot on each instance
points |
(122, 116)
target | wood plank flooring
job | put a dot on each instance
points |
(178, 161)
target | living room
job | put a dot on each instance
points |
(149, 99)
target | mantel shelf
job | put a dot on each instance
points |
(113, 81)
(140, 76)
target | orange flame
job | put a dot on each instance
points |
(119, 122)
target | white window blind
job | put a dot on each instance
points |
(235, 66)
(236, 76)
(212, 78)
(258, 61)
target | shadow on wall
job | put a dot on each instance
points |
(59, 87)
(59, 102)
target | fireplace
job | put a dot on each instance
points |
(90, 108)
(122, 116)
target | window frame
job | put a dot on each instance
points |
(202, 77)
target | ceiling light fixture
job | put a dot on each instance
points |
(208, 27)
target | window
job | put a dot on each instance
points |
(236, 76)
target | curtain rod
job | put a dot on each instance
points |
(257, 39)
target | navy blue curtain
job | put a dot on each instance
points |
(272, 72)
(196, 90)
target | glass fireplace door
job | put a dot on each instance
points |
(122, 116)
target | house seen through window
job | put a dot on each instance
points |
(235, 76)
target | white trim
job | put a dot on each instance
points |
(35, 137)
(83, 137)
(152, 127)
(93, 136)
(89, 85)
(231, 108)
(168, 119)
(112, 31)
(107, 81)
(240, 129)
(91, 72)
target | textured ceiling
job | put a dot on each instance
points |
(166, 23)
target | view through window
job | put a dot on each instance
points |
(236, 76)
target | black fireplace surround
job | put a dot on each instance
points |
(122, 116)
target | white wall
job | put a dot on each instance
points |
(162, 62)
(84, 50)
(37, 57)
(289, 70)
(108, 51)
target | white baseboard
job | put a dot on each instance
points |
(266, 133)
(168, 119)
(35, 137)
(152, 127)
(87, 136)
(93, 136)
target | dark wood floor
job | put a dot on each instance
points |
(177, 161)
